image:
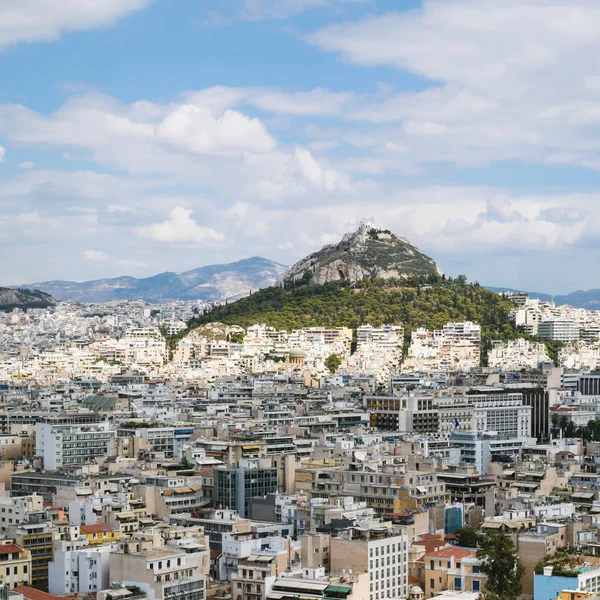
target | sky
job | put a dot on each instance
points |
(142, 136)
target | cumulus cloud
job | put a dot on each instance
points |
(194, 128)
(94, 256)
(27, 21)
(501, 87)
(315, 174)
(180, 228)
(28, 164)
(2, 153)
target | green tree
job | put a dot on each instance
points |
(467, 537)
(501, 565)
(333, 362)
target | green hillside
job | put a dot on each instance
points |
(418, 302)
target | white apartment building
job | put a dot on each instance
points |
(560, 330)
(61, 445)
(80, 570)
(504, 414)
(386, 336)
(15, 511)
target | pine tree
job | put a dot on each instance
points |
(501, 565)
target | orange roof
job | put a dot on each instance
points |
(9, 548)
(97, 528)
(430, 545)
(451, 553)
(33, 594)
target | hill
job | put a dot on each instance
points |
(417, 301)
(24, 299)
(210, 283)
(366, 253)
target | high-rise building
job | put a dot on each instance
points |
(249, 478)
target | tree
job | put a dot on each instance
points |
(333, 362)
(467, 537)
(501, 565)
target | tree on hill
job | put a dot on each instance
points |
(501, 565)
(333, 362)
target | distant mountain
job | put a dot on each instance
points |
(210, 283)
(589, 299)
(366, 253)
(24, 299)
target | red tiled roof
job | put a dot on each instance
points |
(97, 528)
(413, 580)
(33, 594)
(451, 553)
(430, 545)
(9, 548)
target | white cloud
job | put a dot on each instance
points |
(28, 21)
(119, 208)
(134, 263)
(2, 153)
(180, 228)
(503, 78)
(28, 164)
(315, 174)
(194, 128)
(94, 256)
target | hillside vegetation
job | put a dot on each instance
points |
(416, 302)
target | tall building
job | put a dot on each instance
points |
(235, 485)
(381, 551)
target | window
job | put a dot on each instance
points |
(432, 564)
(457, 583)
(475, 568)
(476, 585)
(431, 583)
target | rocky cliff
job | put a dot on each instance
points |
(24, 299)
(365, 253)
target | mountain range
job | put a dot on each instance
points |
(210, 283)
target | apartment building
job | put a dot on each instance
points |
(80, 570)
(15, 564)
(61, 445)
(560, 330)
(235, 485)
(456, 569)
(380, 550)
(161, 573)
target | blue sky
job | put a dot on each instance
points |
(138, 136)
